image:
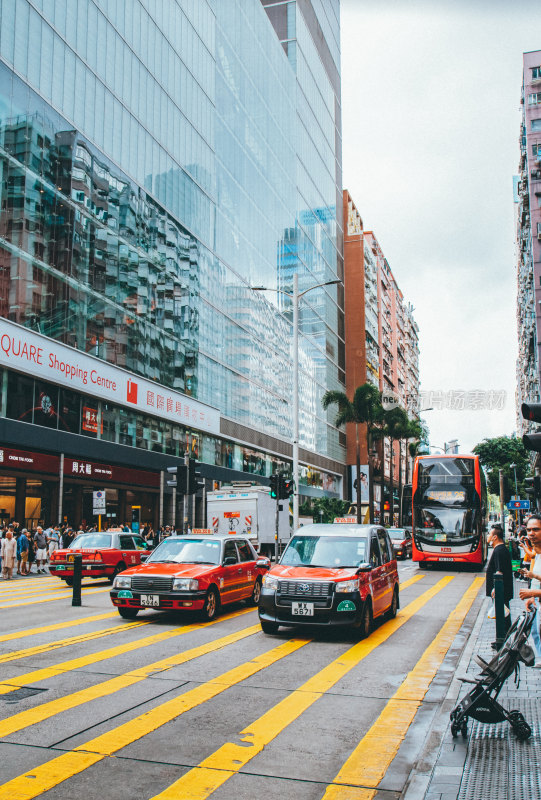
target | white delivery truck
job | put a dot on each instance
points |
(249, 510)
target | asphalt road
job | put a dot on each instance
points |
(98, 708)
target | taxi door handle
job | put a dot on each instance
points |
(239, 569)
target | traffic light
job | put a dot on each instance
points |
(532, 486)
(179, 481)
(286, 488)
(193, 477)
(532, 412)
(275, 486)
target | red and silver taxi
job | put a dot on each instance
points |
(192, 573)
(105, 554)
(343, 575)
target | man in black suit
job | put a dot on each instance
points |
(500, 561)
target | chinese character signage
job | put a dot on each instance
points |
(33, 354)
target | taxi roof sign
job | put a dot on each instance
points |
(346, 520)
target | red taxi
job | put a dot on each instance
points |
(401, 541)
(343, 575)
(192, 573)
(105, 554)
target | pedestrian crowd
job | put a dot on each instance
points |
(21, 548)
(519, 557)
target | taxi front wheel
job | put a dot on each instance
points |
(128, 613)
(256, 594)
(365, 628)
(212, 603)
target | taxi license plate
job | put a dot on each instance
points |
(60, 566)
(302, 609)
(445, 558)
(150, 599)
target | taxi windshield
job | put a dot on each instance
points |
(334, 552)
(86, 540)
(186, 551)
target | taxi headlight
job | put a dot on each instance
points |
(185, 585)
(122, 582)
(270, 582)
(348, 586)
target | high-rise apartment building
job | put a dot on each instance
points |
(528, 222)
(156, 162)
(382, 342)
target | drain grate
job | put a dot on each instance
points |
(498, 764)
(22, 694)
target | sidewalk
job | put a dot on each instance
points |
(490, 763)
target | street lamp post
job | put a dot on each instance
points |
(514, 468)
(295, 296)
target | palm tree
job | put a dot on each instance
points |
(395, 427)
(365, 408)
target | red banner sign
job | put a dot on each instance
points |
(30, 462)
(105, 473)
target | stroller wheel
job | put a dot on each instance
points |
(520, 726)
(464, 728)
(454, 730)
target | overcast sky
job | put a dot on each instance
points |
(431, 120)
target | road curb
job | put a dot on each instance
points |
(437, 772)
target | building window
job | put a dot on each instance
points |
(534, 98)
(536, 149)
(536, 73)
(536, 124)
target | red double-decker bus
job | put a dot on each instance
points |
(449, 506)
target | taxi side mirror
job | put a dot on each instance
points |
(229, 560)
(364, 567)
(144, 556)
(263, 563)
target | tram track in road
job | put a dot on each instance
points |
(39, 780)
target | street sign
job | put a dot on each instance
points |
(98, 502)
(516, 505)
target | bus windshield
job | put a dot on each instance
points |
(447, 504)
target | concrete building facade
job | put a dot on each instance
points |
(528, 239)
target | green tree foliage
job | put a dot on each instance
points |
(330, 507)
(499, 453)
(364, 408)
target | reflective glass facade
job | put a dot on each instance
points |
(157, 159)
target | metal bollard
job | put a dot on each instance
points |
(499, 607)
(77, 571)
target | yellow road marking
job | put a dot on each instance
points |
(7, 637)
(13, 684)
(50, 599)
(46, 710)
(39, 780)
(33, 715)
(370, 760)
(215, 770)
(77, 639)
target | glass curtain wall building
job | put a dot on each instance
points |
(157, 159)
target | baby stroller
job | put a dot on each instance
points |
(480, 703)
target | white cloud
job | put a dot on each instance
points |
(431, 115)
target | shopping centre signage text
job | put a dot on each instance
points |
(36, 355)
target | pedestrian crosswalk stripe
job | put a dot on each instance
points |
(77, 639)
(373, 755)
(34, 715)
(39, 780)
(211, 773)
(50, 599)
(57, 626)
(12, 684)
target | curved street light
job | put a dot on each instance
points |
(295, 296)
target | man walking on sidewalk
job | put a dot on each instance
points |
(500, 561)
